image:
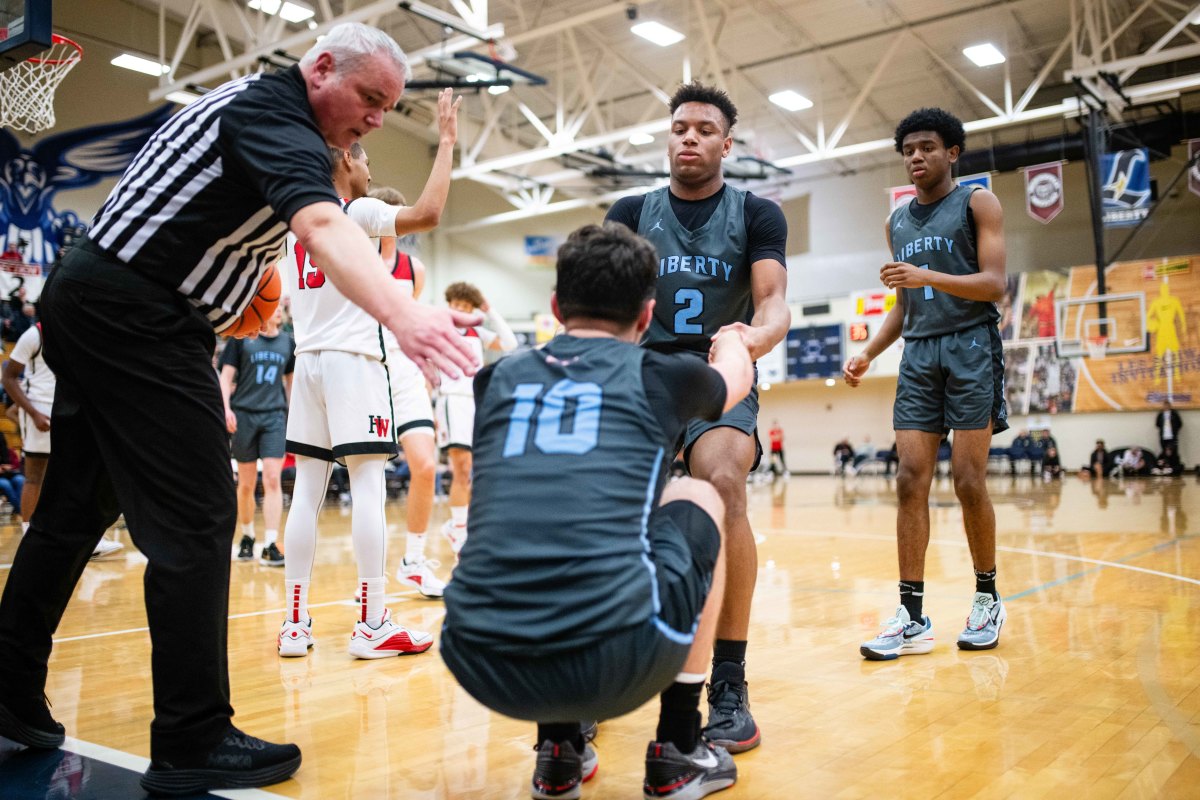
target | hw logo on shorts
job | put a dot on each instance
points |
(378, 425)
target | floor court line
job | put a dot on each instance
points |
(119, 758)
(398, 596)
(878, 537)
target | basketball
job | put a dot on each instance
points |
(261, 307)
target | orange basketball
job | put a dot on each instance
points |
(261, 307)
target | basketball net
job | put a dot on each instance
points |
(1097, 346)
(27, 89)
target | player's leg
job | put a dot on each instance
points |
(247, 476)
(272, 471)
(35, 473)
(375, 634)
(272, 447)
(300, 540)
(724, 456)
(460, 496)
(421, 455)
(975, 409)
(680, 762)
(919, 419)
(308, 437)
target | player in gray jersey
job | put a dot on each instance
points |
(721, 267)
(948, 270)
(588, 585)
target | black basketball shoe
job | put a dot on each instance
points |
(240, 761)
(730, 723)
(246, 549)
(560, 771)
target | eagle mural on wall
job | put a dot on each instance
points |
(31, 177)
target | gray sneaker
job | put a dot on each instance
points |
(730, 724)
(687, 776)
(983, 624)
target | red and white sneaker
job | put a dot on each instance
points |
(389, 639)
(455, 534)
(420, 575)
(295, 638)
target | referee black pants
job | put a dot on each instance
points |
(138, 428)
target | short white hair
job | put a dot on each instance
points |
(351, 43)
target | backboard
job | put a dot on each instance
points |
(24, 30)
(1120, 318)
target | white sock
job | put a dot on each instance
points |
(248, 529)
(690, 677)
(414, 551)
(24, 527)
(459, 515)
(297, 600)
(371, 604)
(271, 537)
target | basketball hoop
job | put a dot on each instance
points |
(27, 89)
(1097, 346)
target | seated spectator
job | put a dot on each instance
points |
(843, 456)
(864, 453)
(1168, 463)
(12, 480)
(1051, 465)
(1022, 447)
(1131, 462)
(892, 462)
(1095, 465)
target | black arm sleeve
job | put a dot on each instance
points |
(681, 387)
(766, 230)
(482, 379)
(627, 211)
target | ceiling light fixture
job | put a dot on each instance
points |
(139, 64)
(641, 138)
(658, 33)
(984, 55)
(792, 101)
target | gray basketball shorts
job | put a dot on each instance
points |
(952, 382)
(743, 416)
(260, 434)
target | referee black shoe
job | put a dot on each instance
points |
(240, 761)
(30, 724)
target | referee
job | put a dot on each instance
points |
(138, 423)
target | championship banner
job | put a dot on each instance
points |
(980, 179)
(1126, 189)
(899, 195)
(1044, 191)
(1194, 172)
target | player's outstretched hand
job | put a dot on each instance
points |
(854, 369)
(430, 337)
(755, 339)
(448, 115)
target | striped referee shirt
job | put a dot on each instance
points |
(205, 205)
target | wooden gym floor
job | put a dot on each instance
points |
(1094, 690)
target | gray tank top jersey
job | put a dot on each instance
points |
(703, 275)
(569, 460)
(260, 374)
(942, 242)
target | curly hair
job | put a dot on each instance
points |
(605, 272)
(465, 292)
(943, 123)
(697, 92)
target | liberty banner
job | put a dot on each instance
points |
(1126, 190)
(1044, 191)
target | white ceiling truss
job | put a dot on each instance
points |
(863, 63)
